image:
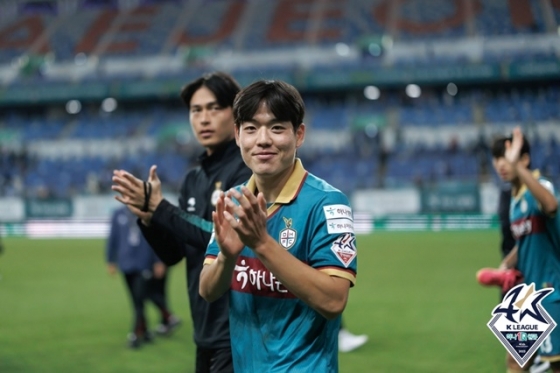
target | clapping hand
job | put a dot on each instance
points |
(250, 224)
(133, 193)
(228, 240)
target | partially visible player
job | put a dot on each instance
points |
(512, 276)
(505, 278)
(144, 275)
(536, 227)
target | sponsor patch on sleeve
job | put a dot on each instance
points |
(344, 248)
(341, 225)
(337, 212)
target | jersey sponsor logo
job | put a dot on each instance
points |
(526, 226)
(340, 226)
(520, 322)
(251, 276)
(338, 211)
(216, 193)
(344, 247)
(288, 235)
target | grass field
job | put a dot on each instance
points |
(416, 298)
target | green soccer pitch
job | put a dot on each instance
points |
(416, 297)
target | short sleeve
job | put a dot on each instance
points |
(550, 187)
(333, 242)
(547, 185)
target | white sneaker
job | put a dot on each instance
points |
(348, 342)
(539, 366)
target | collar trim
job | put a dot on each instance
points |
(289, 192)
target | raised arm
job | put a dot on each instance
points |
(547, 201)
(545, 196)
(171, 228)
(163, 225)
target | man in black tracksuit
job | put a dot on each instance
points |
(184, 231)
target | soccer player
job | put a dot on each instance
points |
(143, 272)
(183, 232)
(536, 227)
(507, 244)
(284, 245)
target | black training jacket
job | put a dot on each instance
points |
(184, 231)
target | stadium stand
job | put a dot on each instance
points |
(96, 48)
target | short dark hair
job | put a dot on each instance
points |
(221, 84)
(281, 98)
(499, 146)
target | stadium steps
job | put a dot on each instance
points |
(245, 23)
(470, 24)
(143, 127)
(187, 13)
(107, 38)
(548, 16)
(69, 129)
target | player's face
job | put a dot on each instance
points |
(268, 146)
(212, 124)
(503, 168)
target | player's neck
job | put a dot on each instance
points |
(269, 188)
(272, 186)
(515, 186)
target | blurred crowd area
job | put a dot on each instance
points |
(352, 142)
(360, 136)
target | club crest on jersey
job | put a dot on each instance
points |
(520, 322)
(288, 235)
(344, 247)
(216, 193)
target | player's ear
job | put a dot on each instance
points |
(300, 135)
(236, 130)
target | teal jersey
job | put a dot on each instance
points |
(271, 329)
(538, 241)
